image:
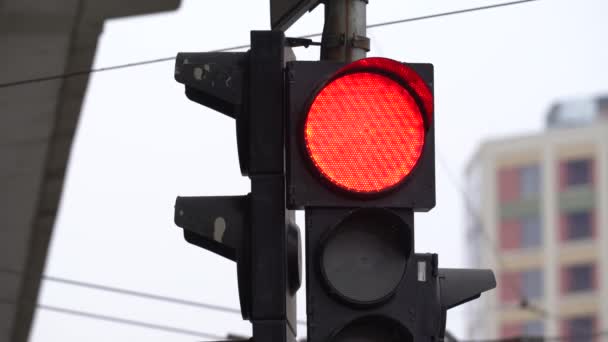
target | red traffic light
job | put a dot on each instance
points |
(365, 129)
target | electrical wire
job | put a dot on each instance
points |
(524, 302)
(109, 68)
(118, 320)
(145, 295)
(171, 299)
(478, 220)
(196, 333)
(130, 322)
(244, 46)
(445, 14)
(140, 294)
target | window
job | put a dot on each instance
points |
(521, 182)
(533, 328)
(579, 329)
(578, 172)
(579, 225)
(509, 330)
(517, 286)
(510, 234)
(531, 231)
(579, 278)
(508, 180)
(523, 329)
(525, 232)
(532, 284)
(509, 287)
(529, 181)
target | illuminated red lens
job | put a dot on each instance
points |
(364, 132)
(402, 72)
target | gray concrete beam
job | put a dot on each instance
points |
(37, 125)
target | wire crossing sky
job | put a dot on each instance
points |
(238, 47)
(139, 137)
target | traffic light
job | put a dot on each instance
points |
(360, 162)
(352, 144)
(255, 230)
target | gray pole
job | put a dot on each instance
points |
(344, 37)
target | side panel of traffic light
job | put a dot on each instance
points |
(256, 230)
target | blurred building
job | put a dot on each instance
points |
(538, 216)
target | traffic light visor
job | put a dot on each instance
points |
(365, 129)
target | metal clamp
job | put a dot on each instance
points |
(357, 41)
(360, 42)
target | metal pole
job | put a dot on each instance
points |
(344, 37)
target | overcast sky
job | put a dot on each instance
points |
(140, 143)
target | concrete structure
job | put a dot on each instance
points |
(538, 216)
(37, 124)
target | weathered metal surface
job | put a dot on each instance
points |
(344, 32)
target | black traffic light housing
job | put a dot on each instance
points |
(364, 279)
(387, 301)
(255, 230)
(406, 294)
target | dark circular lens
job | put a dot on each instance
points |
(373, 330)
(364, 258)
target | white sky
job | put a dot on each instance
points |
(141, 143)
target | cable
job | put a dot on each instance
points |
(432, 16)
(123, 321)
(139, 294)
(149, 296)
(82, 72)
(114, 67)
(166, 59)
(523, 303)
(445, 14)
(479, 222)
(170, 329)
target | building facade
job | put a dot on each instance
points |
(537, 214)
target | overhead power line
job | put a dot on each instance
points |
(145, 295)
(238, 47)
(445, 14)
(109, 68)
(478, 220)
(124, 321)
(171, 329)
(524, 302)
(140, 294)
